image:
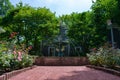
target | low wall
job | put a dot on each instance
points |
(61, 61)
(108, 70)
(7, 76)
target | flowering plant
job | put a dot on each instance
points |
(16, 60)
(17, 57)
(105, 56)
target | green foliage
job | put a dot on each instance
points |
(3, 47)
(12, 55)
(82, 31)
(5, 5)
(106, 57)
(34, 24)
(10, 62)
(89, 29)
(102, 10)
(27, 61)
(86, 29)
(106, 8)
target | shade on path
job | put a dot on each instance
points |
(64, 73)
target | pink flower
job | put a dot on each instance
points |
(19, 53)
(19, 58)
(14, 52)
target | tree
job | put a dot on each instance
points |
(106, 9)
(5, 5)
(80, 30)
(34, 24)
(102, 10)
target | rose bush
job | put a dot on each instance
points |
(107, 57)
(13, 61)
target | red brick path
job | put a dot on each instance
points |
(64, 73)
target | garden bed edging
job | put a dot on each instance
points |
(8, 75)
(108, 70)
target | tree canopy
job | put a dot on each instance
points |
(5, 5)
(87, 29)
(34, 24)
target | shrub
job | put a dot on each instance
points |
(5, 60)
(26, 61)
(10, 62)
(14, 56)
(106, 57)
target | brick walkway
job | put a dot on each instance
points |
(64, 73)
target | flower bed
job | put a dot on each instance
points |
(105, 57)
(10, 62)
(14, 56)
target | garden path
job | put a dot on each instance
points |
(64, 73)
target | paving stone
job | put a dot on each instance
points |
(64, 73)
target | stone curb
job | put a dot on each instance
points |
(8, 75)
(111, 71)
(2, 77)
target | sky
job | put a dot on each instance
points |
(59, 6)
